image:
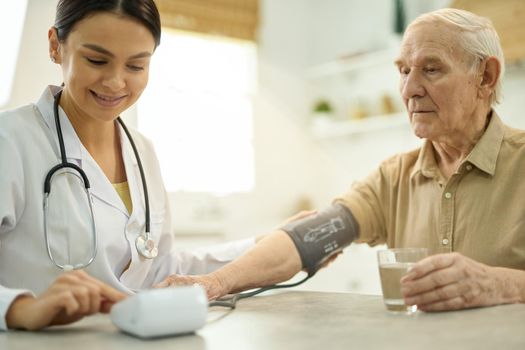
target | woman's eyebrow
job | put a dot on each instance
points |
(108, 53)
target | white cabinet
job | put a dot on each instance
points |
(363, 89)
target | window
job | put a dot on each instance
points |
(197, 110)
(11, 24)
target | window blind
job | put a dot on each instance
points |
(231, 18)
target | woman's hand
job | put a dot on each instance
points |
(213, 286)
(72, 296)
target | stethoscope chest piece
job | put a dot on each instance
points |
(146, 246)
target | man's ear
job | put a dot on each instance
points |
(54, 45)
(490, 71)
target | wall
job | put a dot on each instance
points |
(34, 70)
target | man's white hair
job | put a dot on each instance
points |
(477, 36)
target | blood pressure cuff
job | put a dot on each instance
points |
(320, 236)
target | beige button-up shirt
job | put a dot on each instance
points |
(479, 211)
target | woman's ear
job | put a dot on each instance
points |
(490, 71)
(54, 45)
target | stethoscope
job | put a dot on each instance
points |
(143, 243)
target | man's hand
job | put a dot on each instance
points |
(71, 297)
(452, 281)
(213, 285)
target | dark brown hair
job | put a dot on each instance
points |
(69, 12)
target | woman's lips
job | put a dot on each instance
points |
(107, 101)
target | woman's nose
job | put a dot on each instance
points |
(114, 80)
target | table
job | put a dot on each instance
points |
(303, 320)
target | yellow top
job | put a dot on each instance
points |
(123, 192)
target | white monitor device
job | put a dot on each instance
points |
(162, 312)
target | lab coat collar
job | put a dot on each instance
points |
(74, 148)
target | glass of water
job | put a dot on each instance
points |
(393, 265)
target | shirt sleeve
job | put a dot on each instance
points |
(198, 261)
(366, 200)
(208, 259)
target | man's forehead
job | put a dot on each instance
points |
(430, 41)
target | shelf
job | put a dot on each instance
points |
(327, 129)
(352, 63)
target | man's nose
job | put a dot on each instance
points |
(411, 86)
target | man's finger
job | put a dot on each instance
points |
(429, 264)
(456, 303)
(431, 281)
(447, 292)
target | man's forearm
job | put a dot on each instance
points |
(273, 259)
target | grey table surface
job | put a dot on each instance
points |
(303, 320)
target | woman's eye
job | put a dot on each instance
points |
(95, 62)
(431, 70)
(136, 68)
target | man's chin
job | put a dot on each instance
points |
(420, 131)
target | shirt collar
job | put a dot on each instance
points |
(426, 162)
(484, 155)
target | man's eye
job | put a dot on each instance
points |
(95, 62)
(431, 70)
(404, 71)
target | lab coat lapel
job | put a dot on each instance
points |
(101, 188)
(137, 217)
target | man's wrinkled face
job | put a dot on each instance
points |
(437, 84)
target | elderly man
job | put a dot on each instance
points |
(460, 194)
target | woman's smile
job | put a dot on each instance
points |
(107, 100)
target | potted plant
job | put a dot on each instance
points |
(322, 114)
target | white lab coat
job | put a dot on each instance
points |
(28, 149)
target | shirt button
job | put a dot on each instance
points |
(469, 167)
(448, 195)
(445, 241)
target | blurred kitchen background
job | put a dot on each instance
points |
(261, 108)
